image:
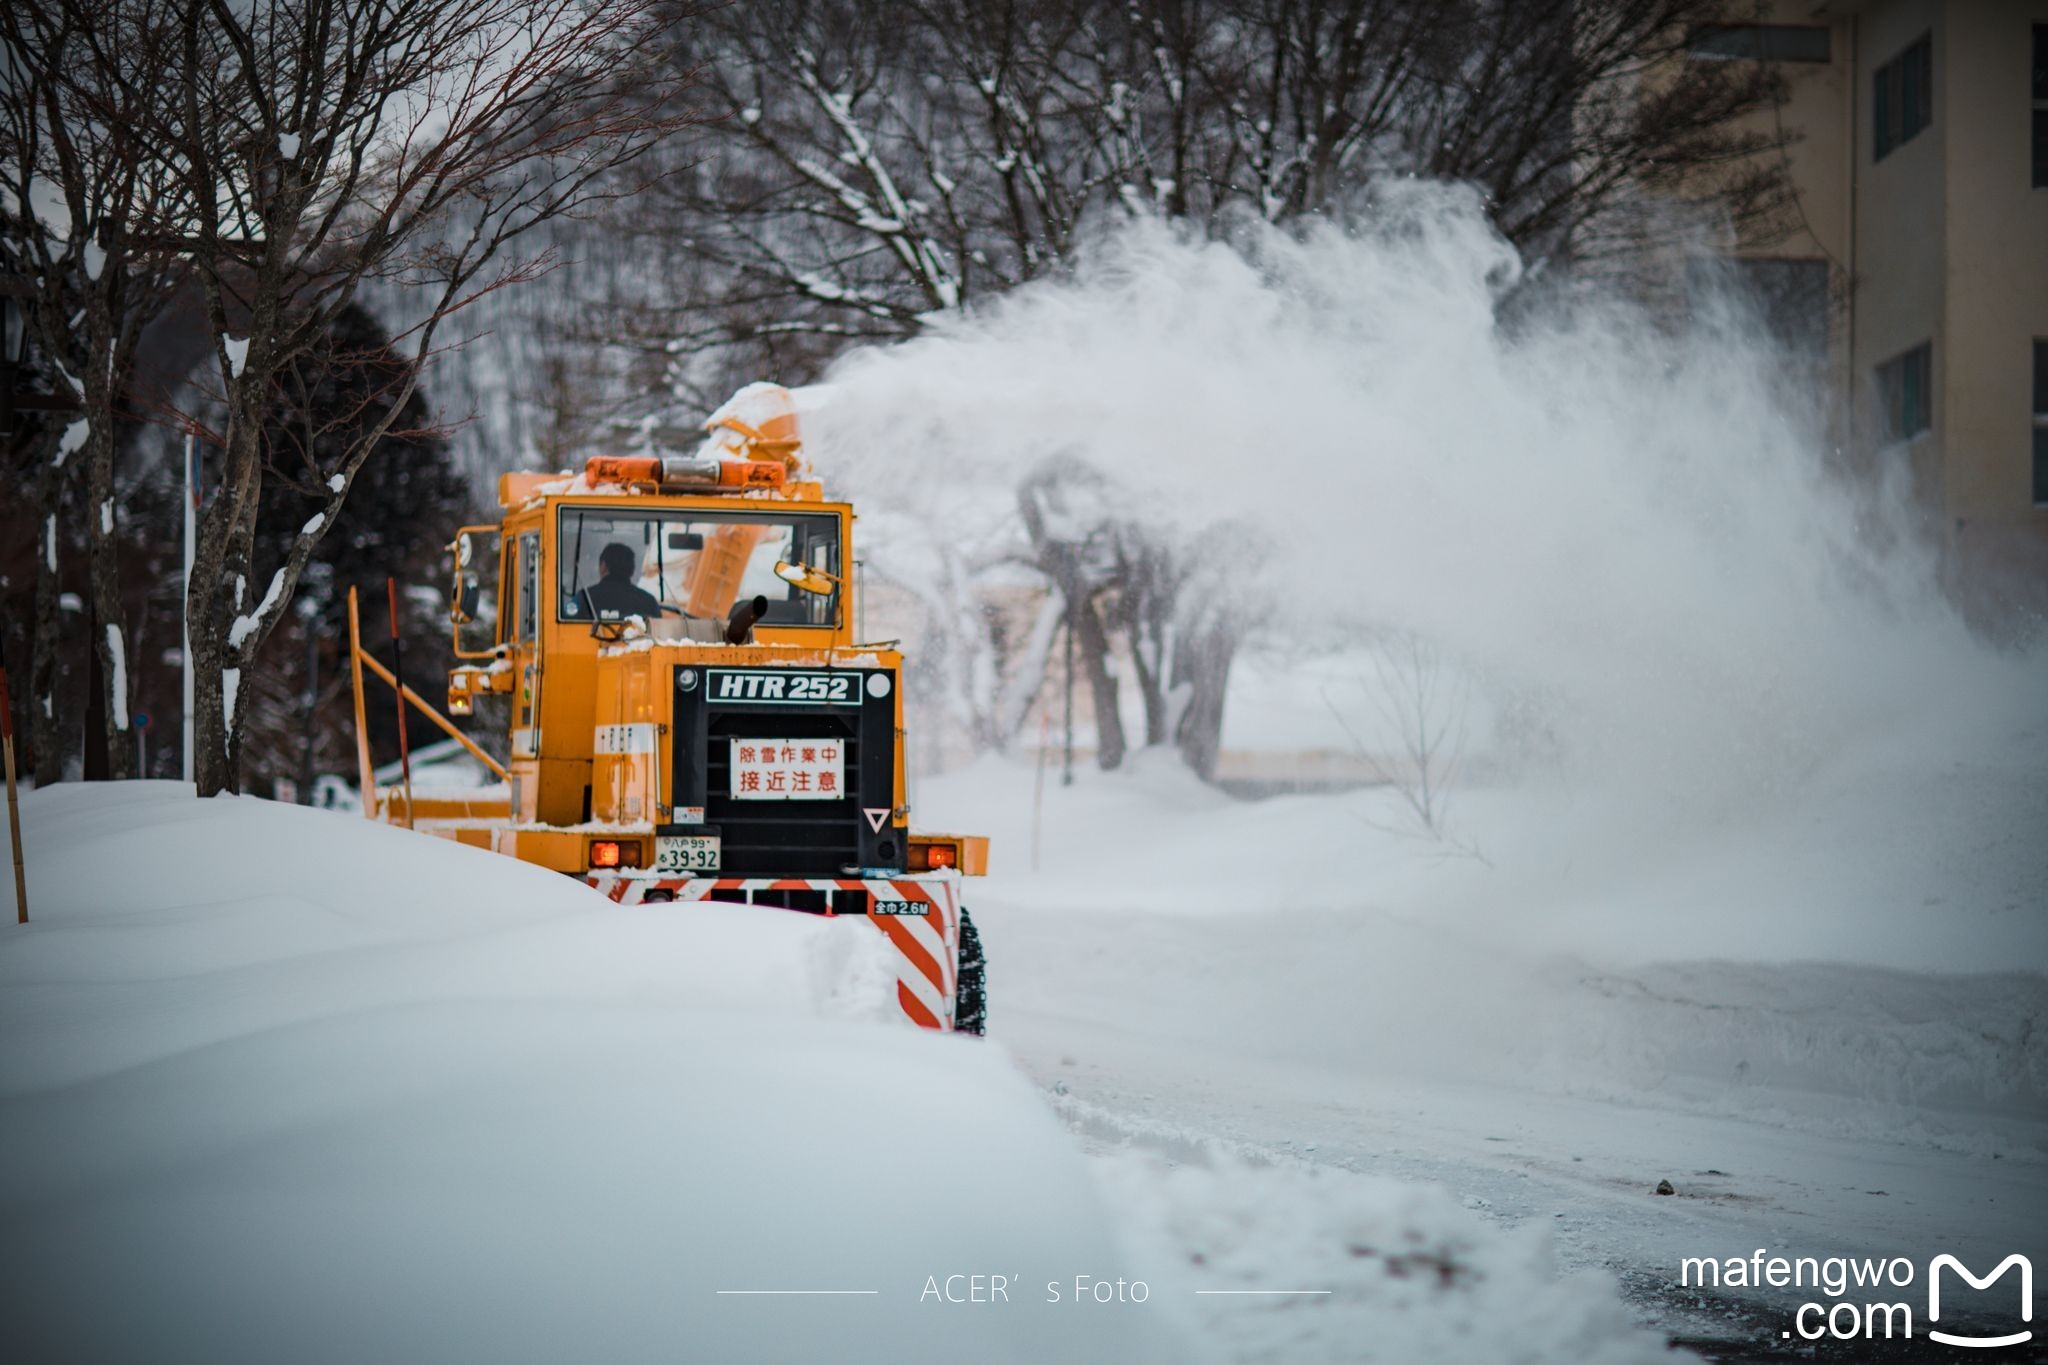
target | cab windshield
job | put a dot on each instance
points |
(694, 563)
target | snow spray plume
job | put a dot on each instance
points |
(1632, 524)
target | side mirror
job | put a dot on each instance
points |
(805, 578)
(463, 605)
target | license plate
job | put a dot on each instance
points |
(686, 853)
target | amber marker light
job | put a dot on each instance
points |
(933, 857)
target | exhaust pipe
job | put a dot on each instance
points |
(740, 629)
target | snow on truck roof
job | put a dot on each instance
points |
(752, 435)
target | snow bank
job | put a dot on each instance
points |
(1810, 951)
(282, 1084)
(1902, 860)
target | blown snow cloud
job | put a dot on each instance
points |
(1627, 520)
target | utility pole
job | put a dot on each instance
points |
(13, 799)
(310, 617)
(93, 750)
(1067, 762)
(191, 534)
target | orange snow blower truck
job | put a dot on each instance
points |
(691, 716)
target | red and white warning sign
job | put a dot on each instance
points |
(788, 770)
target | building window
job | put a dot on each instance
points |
(1903, 101)
(2041, 423)
(1758, 43)
(1793, 298)
(1790, 298)
(1905, 393)
(2040, 109)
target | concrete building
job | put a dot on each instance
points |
(1915, 259)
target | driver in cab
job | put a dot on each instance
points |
(615, 596)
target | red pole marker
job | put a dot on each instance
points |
(398, 688)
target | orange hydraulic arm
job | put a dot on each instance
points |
(715, 582)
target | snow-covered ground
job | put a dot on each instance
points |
(278, 1084)
(1819, 1017)
(284, 1083)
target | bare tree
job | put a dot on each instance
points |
(1217, 609)
(975, 668)
(33, 490)
(304, 149)
(870, 166)
(1182, 605)
(879, 163)
(1572, 115)
(1072, 543)
(405, 497)
(79, 185)
(42, 473)
(1420, 709)
(875, 165)
(1179, 604)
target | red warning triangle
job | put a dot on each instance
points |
(876, 815)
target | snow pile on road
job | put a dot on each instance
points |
(281, 1084)
(1405, 1273)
